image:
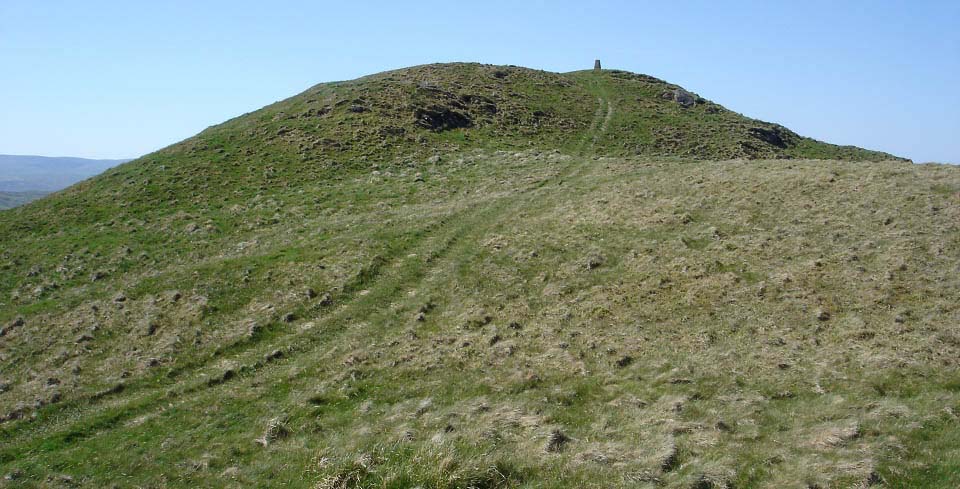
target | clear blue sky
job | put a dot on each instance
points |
(122, 78)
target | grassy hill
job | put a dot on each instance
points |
(480, 276)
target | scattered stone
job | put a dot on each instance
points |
(823, 315)
(120, 298)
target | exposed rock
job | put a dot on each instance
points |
(682, 97)
(776, 135)
(440, 118)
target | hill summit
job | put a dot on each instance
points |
(463, 275)
(459, 106)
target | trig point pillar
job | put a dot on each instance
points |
(596, 65)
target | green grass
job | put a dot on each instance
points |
(436, 322)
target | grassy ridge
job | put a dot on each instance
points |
(310, 296)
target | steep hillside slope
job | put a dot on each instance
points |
(393, 282)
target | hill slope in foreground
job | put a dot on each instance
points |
(474, 276)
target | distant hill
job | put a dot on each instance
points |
(13, 199)
(26, 173)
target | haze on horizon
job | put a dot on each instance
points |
(109, 79)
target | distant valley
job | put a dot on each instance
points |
(24, 177)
